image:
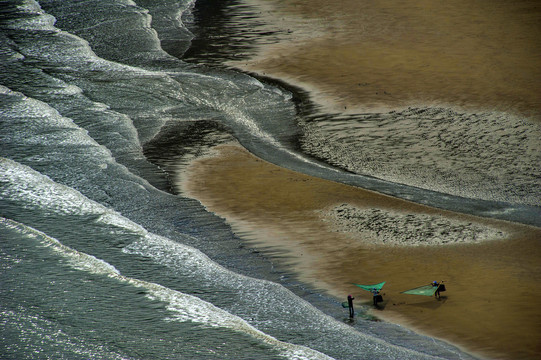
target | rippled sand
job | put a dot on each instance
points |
(494, 286)
(482, 156)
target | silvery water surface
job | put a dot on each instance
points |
(99, 260)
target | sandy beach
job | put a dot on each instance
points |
(492, 304)
(359, 57)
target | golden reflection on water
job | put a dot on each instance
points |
(363, 55)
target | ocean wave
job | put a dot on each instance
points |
(183, 307)
(74, 177)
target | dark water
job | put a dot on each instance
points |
(99, 259)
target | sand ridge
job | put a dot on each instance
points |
(378, 226)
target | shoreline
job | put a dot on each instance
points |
(274, 209)
(496, 322)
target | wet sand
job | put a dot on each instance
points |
(492, 304)
(359, 56)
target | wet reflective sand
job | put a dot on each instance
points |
(357, 56)
(365, 55)
(493, 298)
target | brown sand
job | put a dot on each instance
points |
(359, 56)
(381, 55)
(494, 288)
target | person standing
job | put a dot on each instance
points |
(437, 286)
(375, 293)
(350, 305)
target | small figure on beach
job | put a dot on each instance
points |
(374, 289)
(376, 296)
(350, 305)
(433, 288)
(437, 286)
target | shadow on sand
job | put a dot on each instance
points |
(432, 303)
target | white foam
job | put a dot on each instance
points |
(77, 260)
(183, 307)
(33, 190)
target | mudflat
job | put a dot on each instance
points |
(359, 56)
(491, 306)
(368, 56)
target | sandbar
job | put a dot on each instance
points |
(368, 56)
(491, 306)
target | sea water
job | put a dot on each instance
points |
(99, 259)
